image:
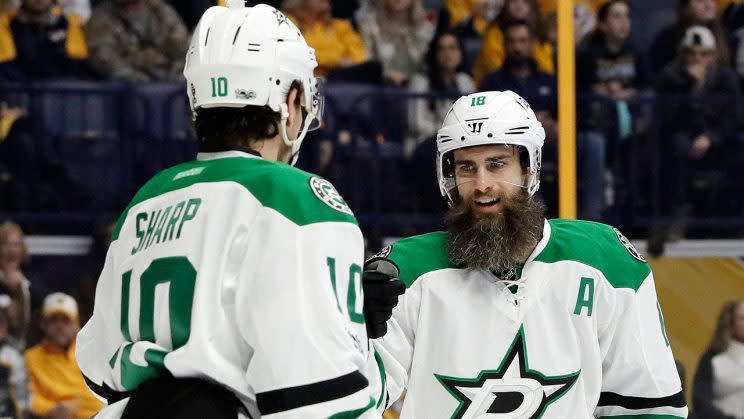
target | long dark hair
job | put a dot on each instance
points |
(602, 14)
(432, 67)
(724, 326)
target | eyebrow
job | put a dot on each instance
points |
(489, 158)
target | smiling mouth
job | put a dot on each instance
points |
(487, 202)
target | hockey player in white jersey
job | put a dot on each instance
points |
(233, 282)
(509, 315)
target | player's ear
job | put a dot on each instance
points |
(293, 106)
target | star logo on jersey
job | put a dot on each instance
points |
(512, 391)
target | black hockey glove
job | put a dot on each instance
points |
(381, 290)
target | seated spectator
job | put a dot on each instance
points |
(137, 40)
(338, 47)
(14, 397)
(396, 33)
(718, 390)
(444, 77)
(690, 12)
(610, 71)
(467, 18)
(58, 389)
(39, 42)
(697, 128)
(607, 63)
(492, 52)
(13, 282)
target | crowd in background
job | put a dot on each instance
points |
(435, 51)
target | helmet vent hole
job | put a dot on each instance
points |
(206, 38)
(251, 47)
(278, 82)
(462, 138)
(235, 38)
(490, 135)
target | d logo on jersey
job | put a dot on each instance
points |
(512, 391)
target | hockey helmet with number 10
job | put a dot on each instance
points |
(250, 56)
(489, 118)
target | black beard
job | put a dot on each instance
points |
(495, 241)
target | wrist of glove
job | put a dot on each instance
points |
(382, 286)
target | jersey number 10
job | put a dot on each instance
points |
(180, 276)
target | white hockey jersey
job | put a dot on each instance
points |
(582, 336)
(242, 271)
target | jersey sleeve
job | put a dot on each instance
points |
(99, 341)
(639, 374)
(395, 349)
(298, 304)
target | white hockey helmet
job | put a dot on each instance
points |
(486, 118)
(250, 56)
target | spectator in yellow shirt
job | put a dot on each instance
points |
(335, 41)
(58, 389)
(492, 53)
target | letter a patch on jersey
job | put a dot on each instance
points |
(513, 390)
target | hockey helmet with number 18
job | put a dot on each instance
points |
(489, 118)
(243, 56)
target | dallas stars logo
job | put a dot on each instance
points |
(280, 18)
(513, 390)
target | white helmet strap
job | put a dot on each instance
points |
(294, 145)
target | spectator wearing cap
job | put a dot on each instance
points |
(697, 127)
(14, 396)
(38, 41)
(689, 13)
(58, 389)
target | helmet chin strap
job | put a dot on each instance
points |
(294, 145)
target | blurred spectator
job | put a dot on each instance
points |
(690, 12)
(732, 18)
(697, 126)
(585, 18)
(610, 71)
(137, 40)
(13, 282)
(396, 33)
(75, 7)
(607, 63)
(492, 53)
(468, 18)
(58, 389)
(338, 47)
(521, 74)
(718, 388)
(15, 401)
(445, 78)
(39, 42)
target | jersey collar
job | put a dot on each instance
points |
(226, 154)
(542, 243)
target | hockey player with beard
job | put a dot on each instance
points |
(509, 315)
